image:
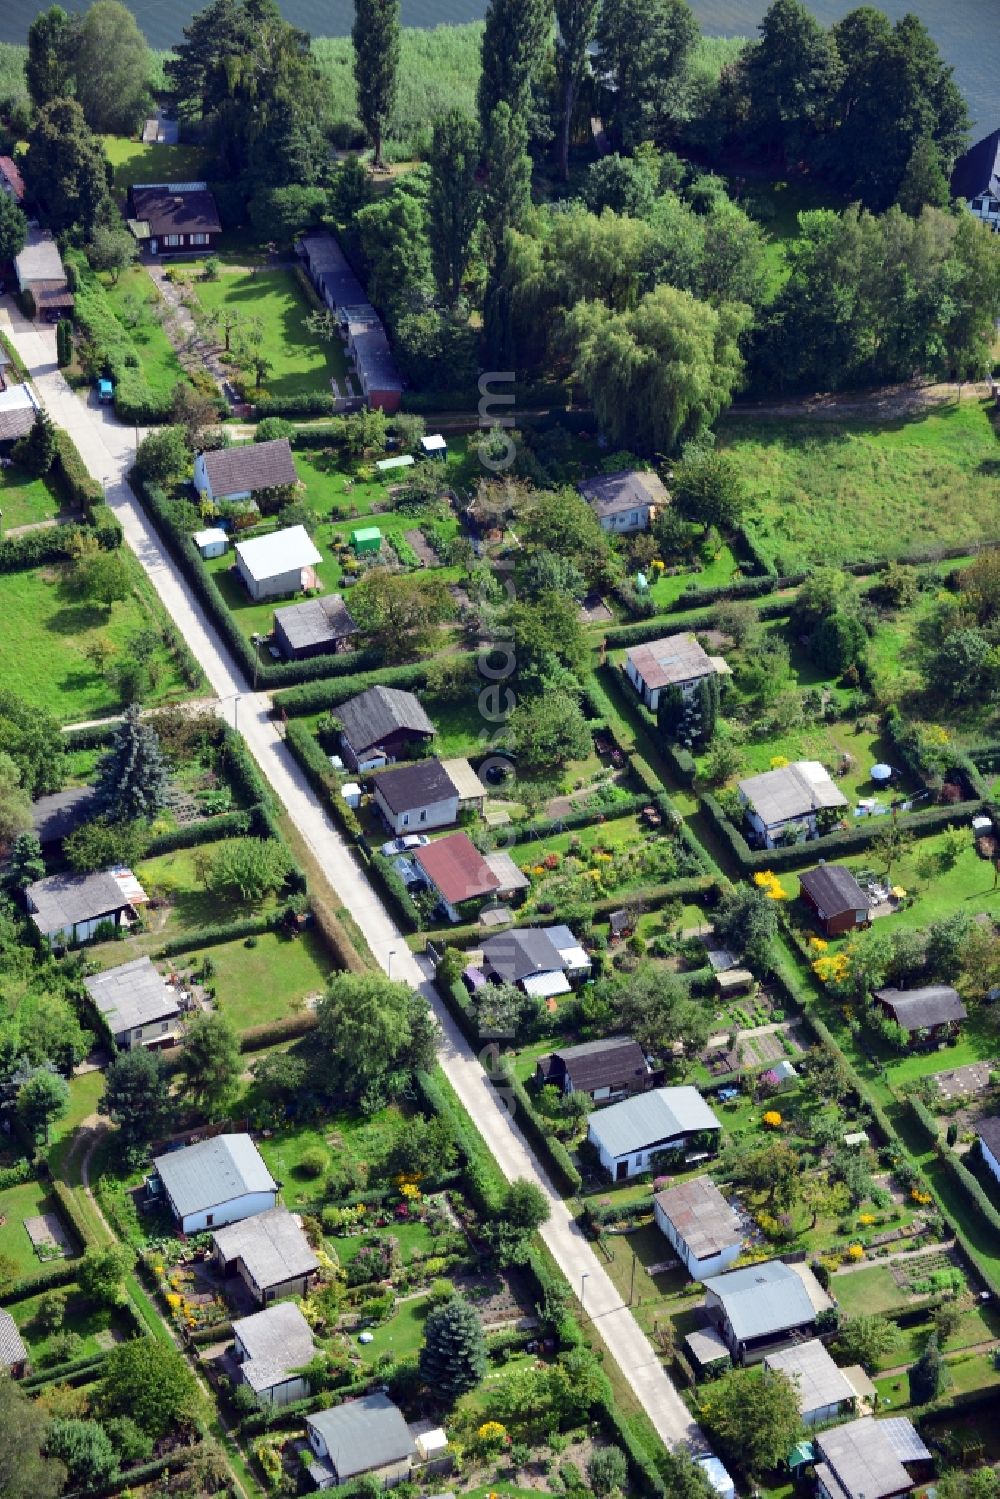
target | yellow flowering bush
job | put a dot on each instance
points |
(922, 1197)
(492, 1432)
(778, 762)
(866, 1219)
(767, 881)
(818, 944)
(855, 1252)
(173, 1300)
(410, 1190)
(832, 968)
(772, 1119)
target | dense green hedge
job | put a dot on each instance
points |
(79, 486)
(274, 1032)
(483, 1178)
(321, 776)
(394, 888)
(552, 1154)
(17, 364)
(16, 1176)
(206, 830)
(968, 1184)
(315, 403)
(142, 1474)
(324, 695)
(226, 931)
(63, 1373)
(56, 1273)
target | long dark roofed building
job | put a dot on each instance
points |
(931, 1008)
(380, 723)
(313, 628)
(173, 216)
(607, 1069)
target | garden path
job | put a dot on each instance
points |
(107, 448)
(888, 403)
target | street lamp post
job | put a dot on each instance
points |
(391, 955)
(584, 1277)
(256, 640)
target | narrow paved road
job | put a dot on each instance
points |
(107, 448)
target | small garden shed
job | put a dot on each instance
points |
(366, 541)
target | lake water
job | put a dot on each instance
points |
(967, 31)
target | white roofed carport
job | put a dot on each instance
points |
(545, 985)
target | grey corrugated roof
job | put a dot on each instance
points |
(40, 259)
(863, 1457)
(629, 489)
(834, 889)
(251, 466)
(315, 622)
(132, 995)
(701, 1216)
(416, 783)
(674, 659)
(277, 553)
(329, 265)
(64, 900)
(368, 718)
(913, 1009)
(516, 954)
(271, 1245)
(988, 1131)
(53, 817)
(277, 1340)
(12, 1349)
(762, 1299)
(364, 1434)
(650, 1117)
(813, 1372)
(792, 791)
(212, 1172)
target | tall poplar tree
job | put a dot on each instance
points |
(514, 45)
(453, 202)
(577, 21)
(375, 35)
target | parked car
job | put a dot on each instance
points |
(402, 845)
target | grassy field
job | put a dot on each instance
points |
(403, 1335)
(301, 362)
(134, 162)
(174, 877)
(343, 1136)
(160, 364)
(16, 1204)
(88, 1321)
(937, 889)
(25, 501)
(46, 638)
(867, 1291)
(267, 981)
(853, 490)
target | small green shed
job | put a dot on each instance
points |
(367, 539)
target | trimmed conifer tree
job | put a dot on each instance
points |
(132, 777)
(453, 1358)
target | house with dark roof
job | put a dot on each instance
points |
(316, 627)
(237, 473)
(675, 661)
(456, 872)
(364, 1436)
(281, 562)
(988, 1134)
(790, 797)
(764, 1307)
(269, 1347)
(214, 1182)
(18, 409)
(607, 1070)
(11, 181)
(631, 1136)
(174, 218)
(625, 501)
(935, 1010)
(54, 817)
(136, 1005)
(870, 1459)
(416, 796)
(381, 725)
(701, 1226)
(71, 907)
(331, 274)
(527, 957)
(836, 899)
(269, 1252)
(13, 1354)
(975, 178)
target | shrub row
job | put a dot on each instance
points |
(218, 1331)
(967, 1183)
(227, 931)
(552, 1153)
(113, 351)
(56, 1273)
(79, 487)
(68, 1207)
(62, 1373)
(831, 845)
(206, 830)
(529, 832)
(393, 887)
(273, 1032)
(926, 1123)
(37, 548)
(92, 736)
(206, 590)
(484, 1180)
(601, 1213)
(680, 762)
(142, 1474)
(315, 403)
(318, 771)
(320, 696)
(17, 364)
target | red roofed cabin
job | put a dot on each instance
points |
(11, 181)
(838, 901)
(456, 871)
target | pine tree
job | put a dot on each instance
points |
(515, 44)
(453, 201)
(453, 1358)
(927, 1373)
(36, 452)
(132, 777)
(924, 182)
(64, 342)
(375, 35)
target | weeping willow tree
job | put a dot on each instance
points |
(660, 372)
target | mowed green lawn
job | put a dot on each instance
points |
(46, 638)
(88, 1321)
(17, 1203)
(25, 501)
(853, 491)
(174, 876)
(267, 981)
(301, 362)
(134, 162)
(160, 364)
